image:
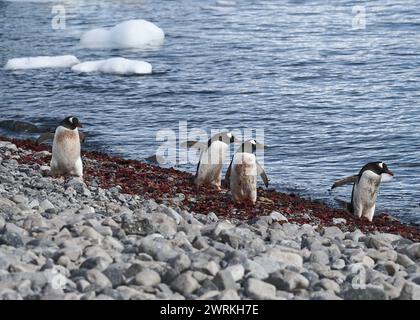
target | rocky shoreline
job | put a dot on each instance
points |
(136, 231)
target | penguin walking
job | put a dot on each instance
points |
(366, 188)
(243, 173)
(212, 157)
(66, 158)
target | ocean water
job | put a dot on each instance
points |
(329, 97)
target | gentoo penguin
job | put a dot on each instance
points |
(365, 188)
(243, 172)
(66, 149)
(212, 157)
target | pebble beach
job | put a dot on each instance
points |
(132, 230)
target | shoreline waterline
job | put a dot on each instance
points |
(173, 187)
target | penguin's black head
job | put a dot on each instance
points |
(225, 137)
(71, 123)
(249, 146)
(386, 170)
(377, 167)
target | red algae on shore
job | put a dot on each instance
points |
(167, 184)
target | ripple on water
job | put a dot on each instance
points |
(329, 98)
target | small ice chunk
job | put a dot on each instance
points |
(41, 62)
(119, 66)
(137, 34)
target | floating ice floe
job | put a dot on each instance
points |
(137, 34)
(41, 62)
(119, 66)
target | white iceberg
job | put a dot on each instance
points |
(134, 34)
(41, 62)
(119, 66)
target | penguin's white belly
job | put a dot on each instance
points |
(66, 153)
(211, 164)
(365, 194)
(243, 177)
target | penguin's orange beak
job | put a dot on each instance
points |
(79, 125)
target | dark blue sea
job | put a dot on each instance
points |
(329, 96)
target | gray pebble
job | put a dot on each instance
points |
(148, 278)
(260, 290)
(185, 284)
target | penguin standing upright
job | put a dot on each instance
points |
(66, 158)
(366, 188)
(212, 156)
(243, 172)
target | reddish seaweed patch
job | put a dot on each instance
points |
(165, 184)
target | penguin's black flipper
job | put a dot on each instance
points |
(192, 144)
(226, 181)
(44, 137)
(344, 181)
(265, 178)
(155, 159)
(261, 172)
(50, 136)
(82, 137)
